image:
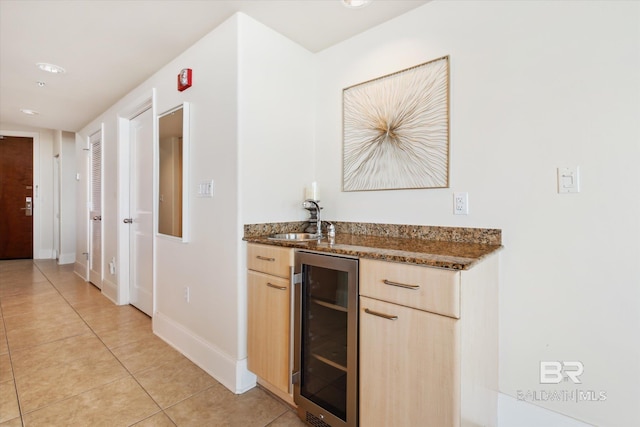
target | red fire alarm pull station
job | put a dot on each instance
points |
(184, 79)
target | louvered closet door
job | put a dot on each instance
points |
(95, 211)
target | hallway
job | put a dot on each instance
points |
(70, 357)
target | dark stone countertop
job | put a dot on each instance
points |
(444, 247)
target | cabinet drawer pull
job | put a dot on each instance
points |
(281, 288)
(386, 316)
(401, 285)
(264, 258)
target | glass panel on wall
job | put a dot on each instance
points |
(170, 173)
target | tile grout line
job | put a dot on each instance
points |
(13, 373)
(60, 339)
(131, 375)
(83, 299)
(97, 337)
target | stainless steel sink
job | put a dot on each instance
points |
(294, 237)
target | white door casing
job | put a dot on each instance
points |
(56, 208)
(95, 210)
(141, 212)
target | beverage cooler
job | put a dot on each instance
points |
(326, 339)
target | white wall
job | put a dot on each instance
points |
(205, 329)
(250, 105)
(275, 135)
(64, 147)
(534, 86)
(205, 264)
(276, 113)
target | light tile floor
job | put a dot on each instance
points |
(70, 357)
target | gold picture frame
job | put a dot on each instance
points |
(396, 130)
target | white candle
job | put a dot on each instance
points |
(311, 191)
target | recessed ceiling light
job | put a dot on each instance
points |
(355, 4)
(41, 84)
(29, 112)
(50, 68)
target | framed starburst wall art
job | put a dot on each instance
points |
(396, 130)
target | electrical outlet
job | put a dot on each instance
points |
(461, 203)
(187, 294)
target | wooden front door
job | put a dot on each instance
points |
(16, 197)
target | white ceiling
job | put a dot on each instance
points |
(108, 47)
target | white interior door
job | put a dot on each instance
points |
(141, 207)
(95, 211)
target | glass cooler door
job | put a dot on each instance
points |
(328, 336)
(324, 336)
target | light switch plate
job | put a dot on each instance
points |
(205, 189)
(568, 180)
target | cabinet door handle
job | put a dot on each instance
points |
(281, 288)
(401, 285)
(264, 258)
(385, 316)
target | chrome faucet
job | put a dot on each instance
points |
(318, 220)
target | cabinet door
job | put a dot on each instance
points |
(268, 328)
(409, 367)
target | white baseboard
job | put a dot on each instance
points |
(143, 300)
(45, 254)
(110, 290)
(228, 371)
(518, 413)
(68, 258)
(245, 379)
(81, 270)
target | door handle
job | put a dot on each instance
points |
(401, 285)
(97, 218)
(281, 288)
(128, 220)
(383, 315)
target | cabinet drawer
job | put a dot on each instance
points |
(270, 259)
(424, 288)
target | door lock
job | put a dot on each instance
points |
(128, 220)
(28, 209)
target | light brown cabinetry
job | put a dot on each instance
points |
(269, 317)
(428, 345)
